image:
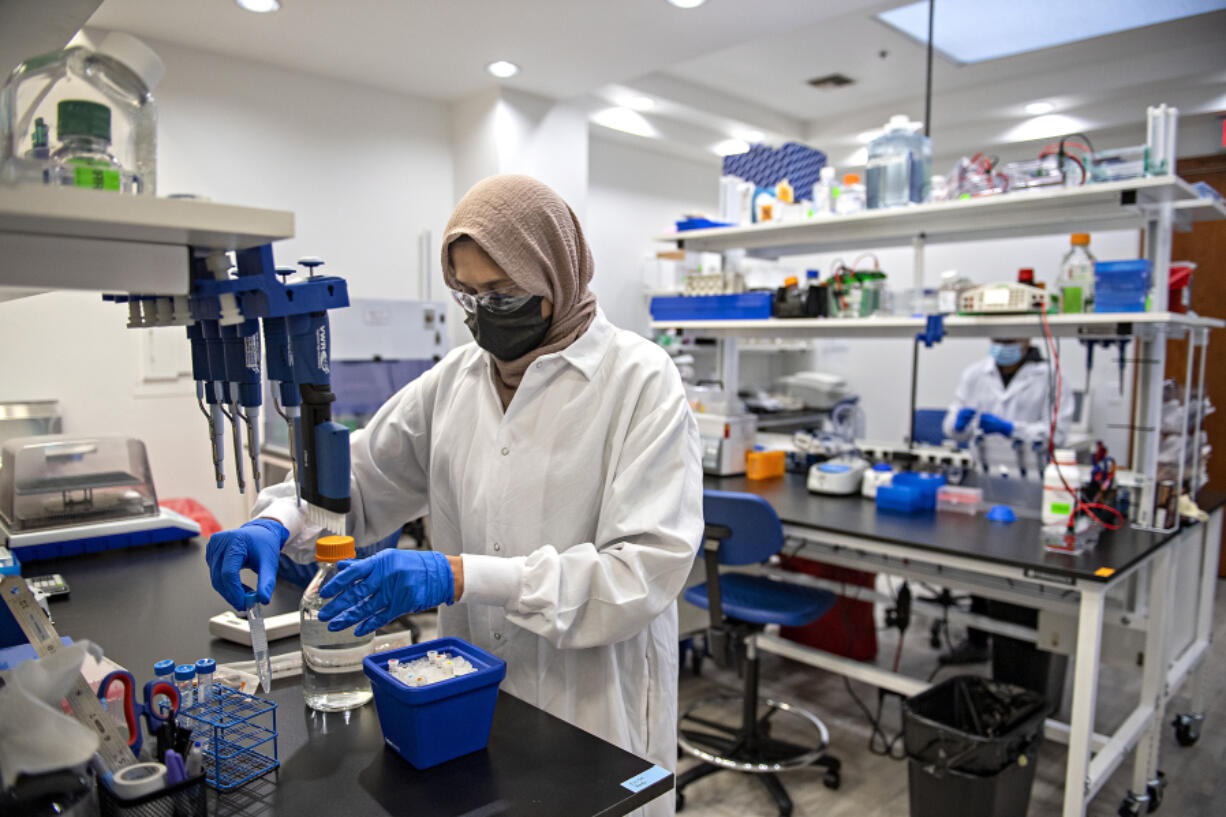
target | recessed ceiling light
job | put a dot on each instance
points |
(864, 137)
(259, 6)
(687, 4)
(753, 137)
(958, 28)
(626, 121)
(1039, 108)
(730, 147)
(639, 102)
(502, 69)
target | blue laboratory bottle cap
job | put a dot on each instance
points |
(1002, 513)
(833, 468)
(185, 672)
(759, 448)
(811, 273)
(164, 667)
(882, 466)
(205, 665)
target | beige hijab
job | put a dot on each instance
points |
(533, 235)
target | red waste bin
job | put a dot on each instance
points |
(848, 629)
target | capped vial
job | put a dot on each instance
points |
(448, 669)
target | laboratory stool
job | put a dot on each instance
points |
(743, 529)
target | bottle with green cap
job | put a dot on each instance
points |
(83, 116)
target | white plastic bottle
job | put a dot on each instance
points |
(851, 196)
(1058, 503)
(823, 192)
(332, 676)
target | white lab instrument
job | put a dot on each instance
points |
(818, 390)
(1002, 299)
(233, 627)
(60, 495)
(259, 646)
(840, 476)
(953, 462)
(880, 474)
(726, 439)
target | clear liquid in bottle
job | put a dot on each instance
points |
(332, 676)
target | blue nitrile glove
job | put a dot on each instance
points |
(963, 419)
(256, 545)
(371, 592)
(991, 424)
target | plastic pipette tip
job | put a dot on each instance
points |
(329, 520)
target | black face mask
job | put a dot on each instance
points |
(509, 335)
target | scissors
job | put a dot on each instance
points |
(133, 710)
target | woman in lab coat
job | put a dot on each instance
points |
(559, 462)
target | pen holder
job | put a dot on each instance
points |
(186, 799)
(238, 735)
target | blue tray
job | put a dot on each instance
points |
(743, 306)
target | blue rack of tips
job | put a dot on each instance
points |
(227, 309)
(237, 734)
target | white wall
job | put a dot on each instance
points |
(636, 193)
(364, 171)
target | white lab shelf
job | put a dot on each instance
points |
(1108, 206)
(67, 238)
(1021, 325)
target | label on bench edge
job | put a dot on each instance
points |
(641, 781)
(1031, 573)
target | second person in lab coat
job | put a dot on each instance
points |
(559, 462)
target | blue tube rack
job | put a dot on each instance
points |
(236, 732)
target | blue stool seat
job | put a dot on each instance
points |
(759, 600)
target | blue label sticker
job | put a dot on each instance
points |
(641, 781)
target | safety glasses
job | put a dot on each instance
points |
(504, 300)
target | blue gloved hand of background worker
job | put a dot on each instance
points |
(963, 419)
(991, 424)
(373, 591)
(255, 545)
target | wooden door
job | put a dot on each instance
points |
(1206, 245)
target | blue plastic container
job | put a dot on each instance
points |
(432, 724)
(743, 306)
(903, 499)
(1121, 286)
(927, 484)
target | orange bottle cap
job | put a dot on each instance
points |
(851, 178)
(334, 548)
(791, 281)
(1080, 239)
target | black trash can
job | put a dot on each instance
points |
(971, 746)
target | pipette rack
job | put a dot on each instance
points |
(236, 732)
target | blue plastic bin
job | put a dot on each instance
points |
(1121, 286)
(902, 499)
(433, 724)
(743, 306)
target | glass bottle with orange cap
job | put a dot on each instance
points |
(332, 676)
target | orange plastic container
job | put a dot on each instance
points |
(764, 464)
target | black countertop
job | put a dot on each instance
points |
(1017, 544)
(147, 603)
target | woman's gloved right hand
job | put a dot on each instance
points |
(255, 545)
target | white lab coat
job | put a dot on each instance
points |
(578, 514)
(1025, 403)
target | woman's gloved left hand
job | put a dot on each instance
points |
(373, 591)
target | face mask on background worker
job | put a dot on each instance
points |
(1007, 354)
(508, 334)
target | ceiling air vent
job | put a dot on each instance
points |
(831, 81)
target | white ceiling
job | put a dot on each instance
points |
(726, 67)
(439, 48)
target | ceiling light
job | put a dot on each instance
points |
(958, 24)
(259, 6)
(753, 137)
(687, 4)
(502, 69)
(860, 157)
(730, 147)
(638, 102)
(864, 137)
(626, 121)
(1046, 127)
(1039, 108)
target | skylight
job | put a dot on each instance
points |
(976, 30)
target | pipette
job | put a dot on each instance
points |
(259, 646)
